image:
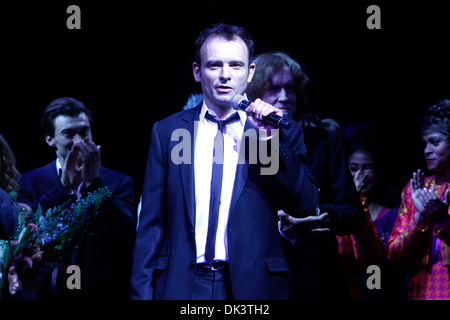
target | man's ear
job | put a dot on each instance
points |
(50, 141)
(196, 71)
(251, 72)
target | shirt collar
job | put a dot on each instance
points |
(58, 165)
(242, 114)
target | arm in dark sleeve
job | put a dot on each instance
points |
(301, 194)
(341, 200)
(8, 216)
(117, 215)
(55, 196)
(150, 233)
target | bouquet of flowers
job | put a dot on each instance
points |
(48, 238)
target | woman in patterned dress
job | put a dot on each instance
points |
(420, 237)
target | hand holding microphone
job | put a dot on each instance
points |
(260, 113)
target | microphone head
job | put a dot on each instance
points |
(236, 101)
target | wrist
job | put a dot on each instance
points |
(280, 230)
(67, 186)
(420, 223)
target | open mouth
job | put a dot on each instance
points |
(224, 89)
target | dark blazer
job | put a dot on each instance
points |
(105, 257)
(8, 216)
(338, 195)
(165, 253)
(317, 269)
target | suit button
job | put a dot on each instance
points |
(192, 265)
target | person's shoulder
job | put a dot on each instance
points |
(322, 131)
(110, 173)
(38, 172)
(184, 115)
(316, 131)
(167, 126)
(322, 135)
(4, 196)
(116, 180)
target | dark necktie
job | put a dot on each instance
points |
(216, 184)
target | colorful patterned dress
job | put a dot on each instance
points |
(424, 253)
(360, 250)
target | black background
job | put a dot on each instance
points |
(131, 65)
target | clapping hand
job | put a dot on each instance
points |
(360, 179)
(425, 200)
(81, 164)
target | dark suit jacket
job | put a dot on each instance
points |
(105, 257)
(338, 195)
(165, 252)
(317, 269)
(8, 216)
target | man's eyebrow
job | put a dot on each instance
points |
(72, 129)
(220, 62)
(239, 62)
(213, 62)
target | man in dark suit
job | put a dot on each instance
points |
(104, 257)
(172, 255)
(312, 253)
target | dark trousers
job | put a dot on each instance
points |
(212, 285)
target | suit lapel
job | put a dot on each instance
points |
(190, 123)
(51, 173)
(241, 172)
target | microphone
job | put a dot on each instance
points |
(239, 102)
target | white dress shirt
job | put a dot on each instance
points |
(203, 159)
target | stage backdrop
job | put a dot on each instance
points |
(130, 62)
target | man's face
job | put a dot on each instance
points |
(281, 93)
(224, 71)
(67, 130)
